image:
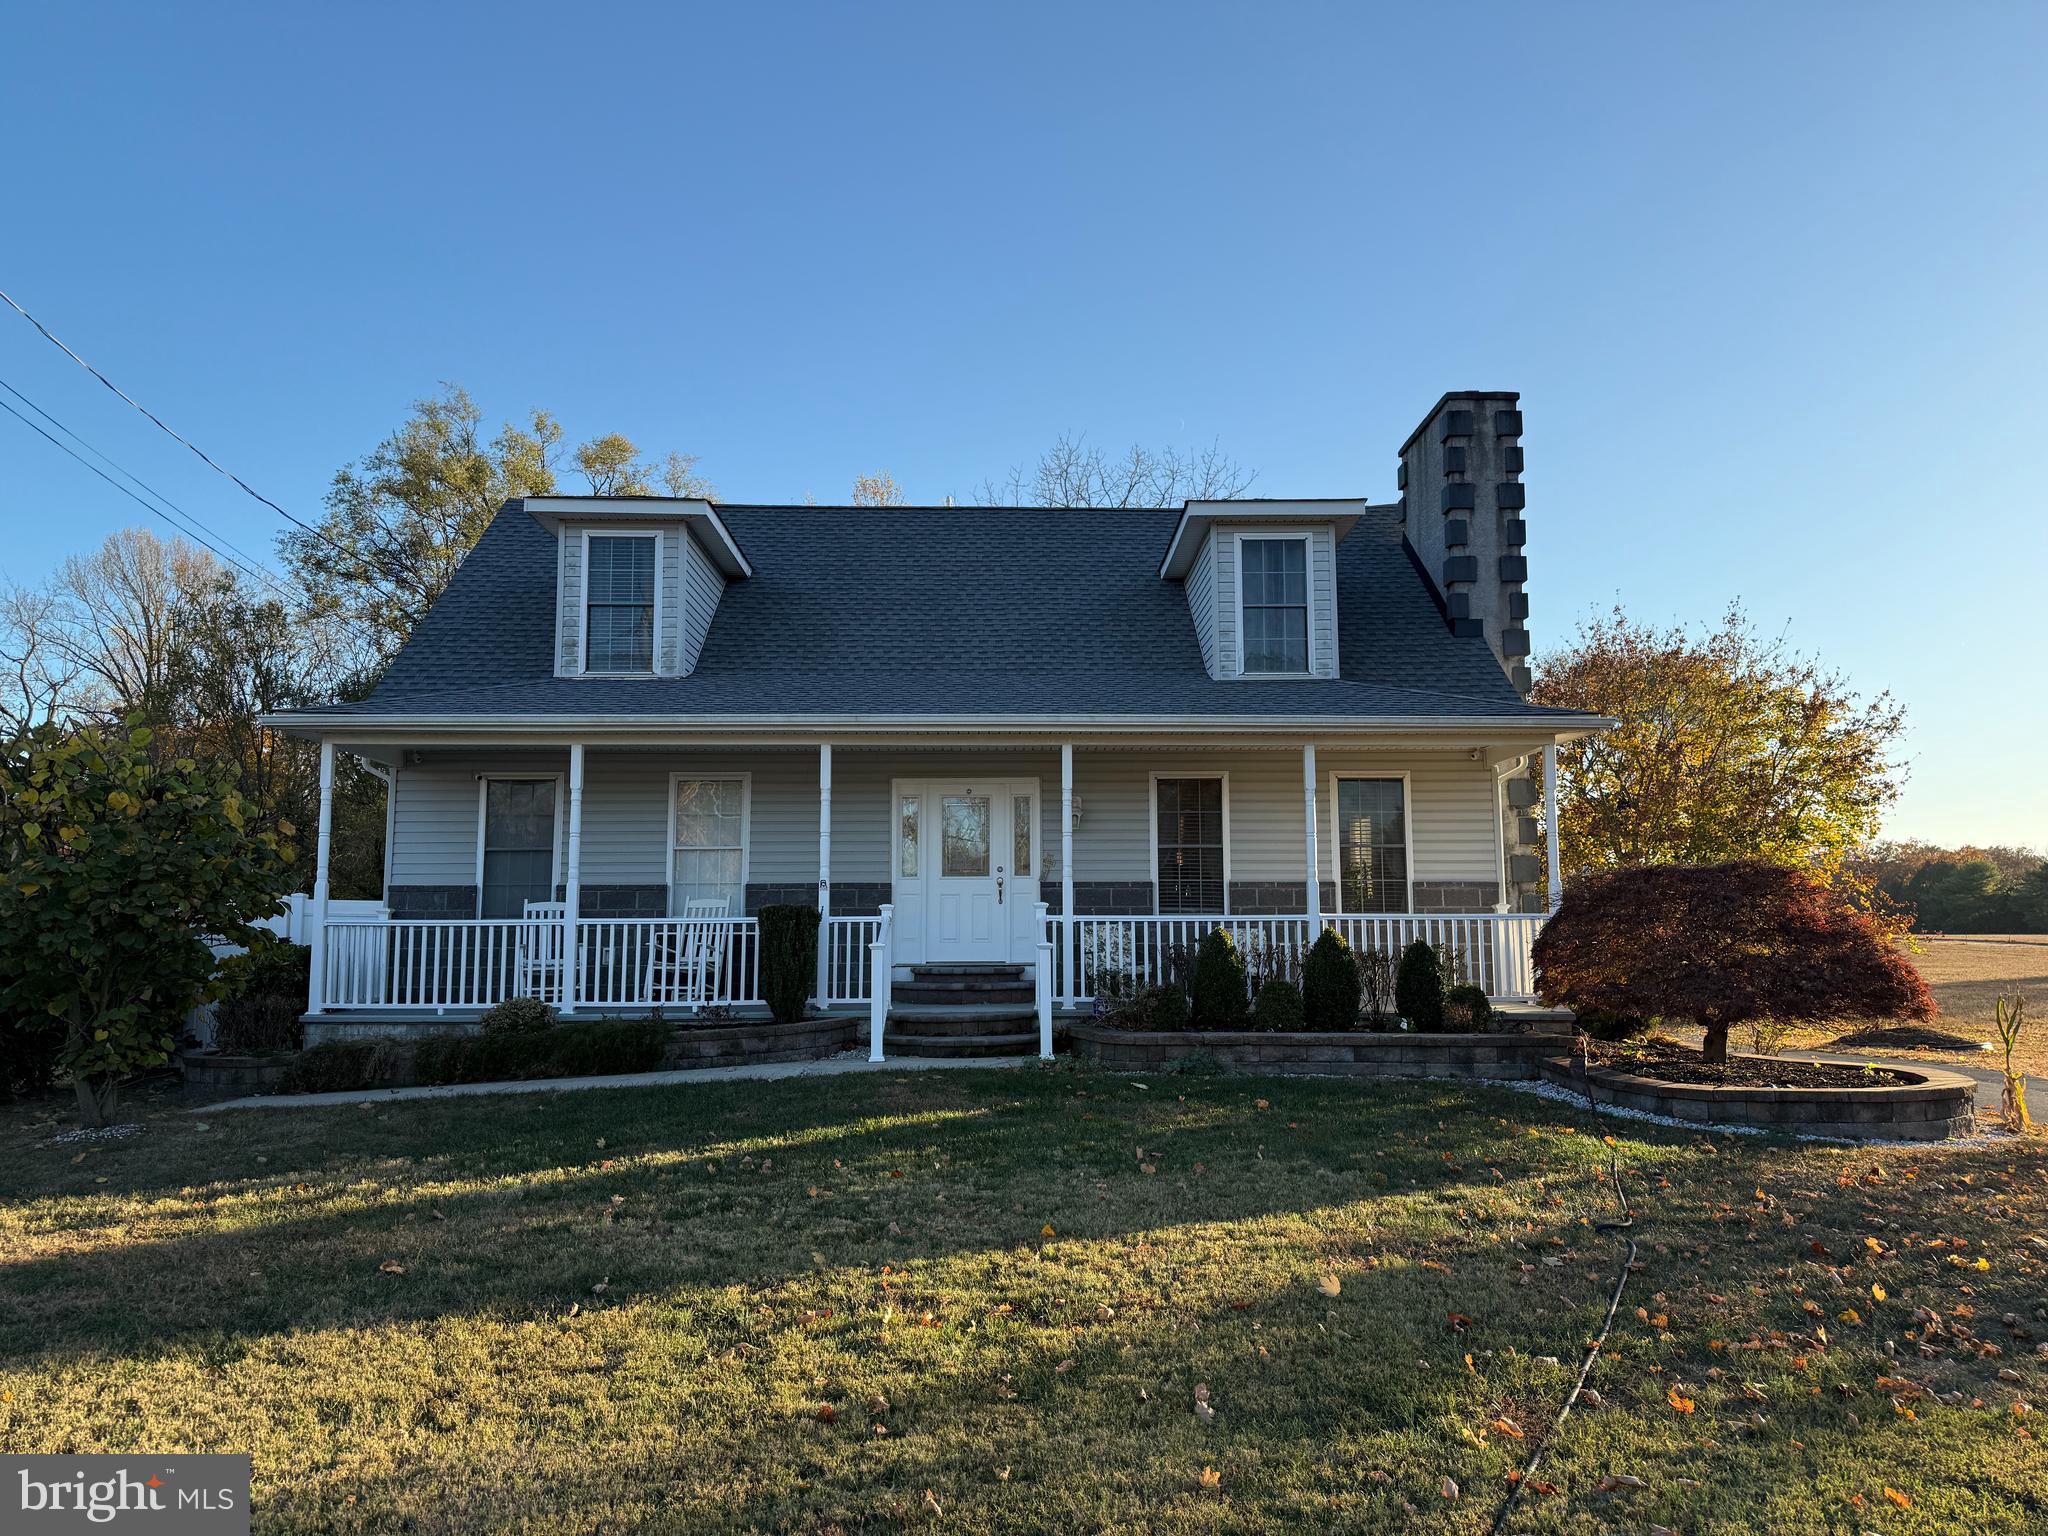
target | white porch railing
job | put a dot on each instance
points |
(460, 963)
(845, 947)
(1489, 949)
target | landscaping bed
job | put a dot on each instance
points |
(1669, 1061)
(1345, 1053)
(224, 1072)
(1896, 1104)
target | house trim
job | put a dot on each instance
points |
(1198, 517)
(1152, 824)
(483, 808)
(746, 778)
(1337, 776)
(556, 512)
(652, 536)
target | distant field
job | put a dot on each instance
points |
(1967, 976)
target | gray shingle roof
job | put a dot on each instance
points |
(942, 611)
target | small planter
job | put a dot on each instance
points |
(213, 1072)
(754, 1042)
(1308, 1053)
(1924, 1104)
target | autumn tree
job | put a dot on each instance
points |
(1729, 746)
(1720, 945)
(400, 521)
(1076, 473)
(877, 490)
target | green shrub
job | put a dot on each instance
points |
(1606, 1024)
(586, 1048)
(1419, 987)
(519, 1016)
(1278, 1007)
(1330, 983)
(1468, 1009)
(258, 1023)
(789, 959)
(276, 967)
(605, 1047)
(1219, 1000)
(1162, 1010)
(342, 1065)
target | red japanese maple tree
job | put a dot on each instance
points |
(1719, 945)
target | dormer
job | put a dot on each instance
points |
(1261, 583)
(637, 579)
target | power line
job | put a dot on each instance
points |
(117, 485)
(199, 530)
(88, 367)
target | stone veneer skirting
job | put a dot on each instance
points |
(1930, 1107)
(1306, 1054)
(740, 1043)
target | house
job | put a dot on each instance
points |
(1007, 753)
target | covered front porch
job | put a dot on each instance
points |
(617, 876)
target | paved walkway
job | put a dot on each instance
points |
(834, 1066)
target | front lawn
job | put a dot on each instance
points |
(991, 1302)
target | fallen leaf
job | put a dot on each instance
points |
(1211, 1478)
(1329, 1285)
(1898, 1498)
(1682, 1404)
(391, 1267)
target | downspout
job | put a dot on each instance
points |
(1500, 829)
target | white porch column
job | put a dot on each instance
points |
(1068, 930)
(1550, 824)
(572, 885)
(1315, 882)
(316, 991)
(824, 871)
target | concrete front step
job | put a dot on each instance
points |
(896, 1043)
(947, 1013)
(964, 991)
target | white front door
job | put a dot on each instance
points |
(966, 870)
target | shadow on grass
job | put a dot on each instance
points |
(517, 1209)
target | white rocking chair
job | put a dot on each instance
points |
(538, 966)
(686, 959)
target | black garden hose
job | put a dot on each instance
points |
(1593, 1350)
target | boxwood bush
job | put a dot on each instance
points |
(1163, 1010)
(1467, 1008)
(789, 959)
(341, 1065)
(1419, 987)
(1219, 1000)
(1278, 1007)
(1330, 983)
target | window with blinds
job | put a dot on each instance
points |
(1190, 845)
(618, 620)
(1372, 845)
(518, 845)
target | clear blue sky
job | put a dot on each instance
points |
(1770, 279)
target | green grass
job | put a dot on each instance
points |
(629, 1311)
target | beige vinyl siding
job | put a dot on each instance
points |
(1450, 810)
(1201, 591)
(625, 809)
(435, 820)
(569, 618)
(1322, 598)
(668, 598)
(701, 588)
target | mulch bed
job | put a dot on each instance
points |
(1904, 1037)
(1668, 1061)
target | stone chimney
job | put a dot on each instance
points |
(1461, 505)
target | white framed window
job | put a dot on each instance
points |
(709, 826)
(621, 598)
(1273, 604)
(518, 842)
(1371, 847)
(1191, 842)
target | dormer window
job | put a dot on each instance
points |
(1274, 593)
(618, 609)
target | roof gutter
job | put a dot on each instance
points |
(1561, 726)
